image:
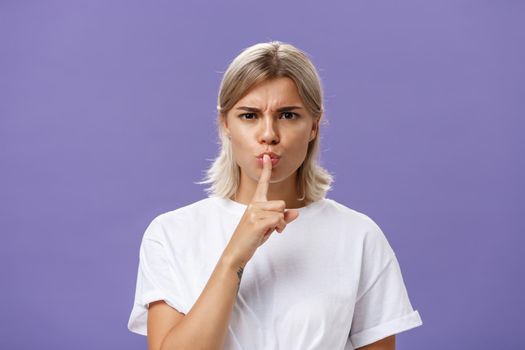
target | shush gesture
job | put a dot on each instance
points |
(260, 219)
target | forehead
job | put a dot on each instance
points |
(272, 92)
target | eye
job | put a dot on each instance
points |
(294, 115)
(251, 116)
(246, 114)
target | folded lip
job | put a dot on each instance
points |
(271, 154)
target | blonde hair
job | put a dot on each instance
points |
(257, 63)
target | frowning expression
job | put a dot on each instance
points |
(270, 117)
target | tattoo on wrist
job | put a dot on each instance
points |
(239, 274)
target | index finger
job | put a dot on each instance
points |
(262, 186)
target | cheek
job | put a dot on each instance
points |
(241, 153)
(298, 146)
(300, 155)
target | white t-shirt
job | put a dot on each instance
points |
(330, 280)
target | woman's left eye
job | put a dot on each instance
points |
(295, 115)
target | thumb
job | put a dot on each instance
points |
(290, 215)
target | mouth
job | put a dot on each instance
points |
(260, 162)
(271, 154)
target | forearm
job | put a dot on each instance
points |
(205, 326)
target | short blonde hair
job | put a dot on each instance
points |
(257, 63)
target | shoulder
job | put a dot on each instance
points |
(341, 212)
(187, 210)
(362, 228)
(180, 219)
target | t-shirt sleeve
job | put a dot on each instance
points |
(382, 305)
(156, 279)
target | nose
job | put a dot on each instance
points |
(268, 134)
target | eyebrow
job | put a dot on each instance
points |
(282, 109)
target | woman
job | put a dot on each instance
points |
(213, 276)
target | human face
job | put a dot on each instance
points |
(270, 129)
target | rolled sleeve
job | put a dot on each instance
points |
(382, 306)
(384, 309)
(155, 280)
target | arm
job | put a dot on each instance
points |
(388, 343)
(206, 324)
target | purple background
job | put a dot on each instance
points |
(107, 120)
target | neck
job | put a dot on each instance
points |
(283, 190)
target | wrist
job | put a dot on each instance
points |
(231, 260)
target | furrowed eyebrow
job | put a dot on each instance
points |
(282, 109)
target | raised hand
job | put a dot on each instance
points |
(260, 219)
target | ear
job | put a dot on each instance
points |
(224, 122)
(315, 129)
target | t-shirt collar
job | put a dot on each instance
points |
(240, 208)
